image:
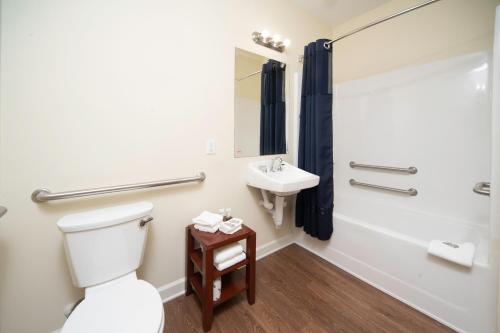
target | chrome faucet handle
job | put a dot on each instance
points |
(277, 167)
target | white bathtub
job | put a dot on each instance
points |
(385, 254)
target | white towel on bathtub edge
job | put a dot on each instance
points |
(462, 254)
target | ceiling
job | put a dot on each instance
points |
(335, 12)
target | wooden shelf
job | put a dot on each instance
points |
(232, 284)
(234, 279)
(197, 259)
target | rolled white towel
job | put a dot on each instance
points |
(227, 252)
(205, 228)
(217, 290)
(462, 254)
(230, 262)
(208, 219)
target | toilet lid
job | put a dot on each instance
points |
(128, 308)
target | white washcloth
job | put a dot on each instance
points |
(227, 252)
(233, 261)
(205, 228)
(231, 226)
(217, 289)
(462, 254)
(208, 219)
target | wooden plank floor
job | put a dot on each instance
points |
(298, 291)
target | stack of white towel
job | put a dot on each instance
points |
(228, 256)
(211, 222)
(225, 257)
(207, 222)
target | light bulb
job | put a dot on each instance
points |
(265, 34)
(276, 38)
(287, 42)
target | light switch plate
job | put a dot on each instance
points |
(211, 147)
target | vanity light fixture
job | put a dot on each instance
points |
(264, 38)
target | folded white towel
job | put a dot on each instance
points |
(205, 228)
(462, 254)
(217, 290)
(208, 219)
(231, 226)
(233, 261)
(227, 252)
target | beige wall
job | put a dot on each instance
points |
(98, 93)
(438, 31)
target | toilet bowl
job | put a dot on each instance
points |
(104, 248)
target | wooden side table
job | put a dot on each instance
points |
(233, 281)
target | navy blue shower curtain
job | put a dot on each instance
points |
(272, 109)
(314, 206)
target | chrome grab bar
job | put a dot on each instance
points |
(482, 188)
(411, 192)
(43, 195)
(411, 170)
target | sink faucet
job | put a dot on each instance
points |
(277, 164)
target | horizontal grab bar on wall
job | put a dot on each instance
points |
(411, 170)
(43, 195)
(411, 192)
(482, 188)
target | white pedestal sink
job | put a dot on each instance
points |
(287, 181)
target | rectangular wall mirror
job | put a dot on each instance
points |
(260, 120)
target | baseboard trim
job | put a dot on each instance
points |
(177, 288)
(375, 285)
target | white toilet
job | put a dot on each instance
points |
(104, 248)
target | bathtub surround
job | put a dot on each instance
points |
(314, 206)
(383, 237)
(91, 96)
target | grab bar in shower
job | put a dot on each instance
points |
(482, 188)
(411, 192)
(411, 170)
(43, 195)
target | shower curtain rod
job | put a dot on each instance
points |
(255, 73)
(327, 45)
(249, 75)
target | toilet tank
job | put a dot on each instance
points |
(104, 244)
